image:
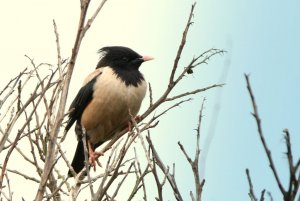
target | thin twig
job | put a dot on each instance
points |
(294, 179)
(90, 21)
(251, 191)
(181, 46)
(194, 92)
(17, 137)
(262, 195)
(15, 80)
(158, 184)
(9, 187)
(122, 181)
(58, 50)
(195, 163)
(171, 178)
(142, 141)
(150, 95)
(86, 161)
(262, 138)
(140, 179)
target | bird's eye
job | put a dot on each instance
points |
(124, 59)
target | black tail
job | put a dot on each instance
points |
(78, 159)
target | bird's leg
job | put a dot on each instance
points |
(132, 122)
(97, 154)
(94, 155)
(129, 126)
(92, 159)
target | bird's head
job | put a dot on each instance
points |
(122, 58)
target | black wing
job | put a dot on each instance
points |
(82, 99)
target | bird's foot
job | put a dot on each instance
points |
(98, 154)
(136, 119)
(94, 155)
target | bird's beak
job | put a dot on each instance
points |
(147, 58)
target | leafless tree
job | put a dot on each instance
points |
(36, 119)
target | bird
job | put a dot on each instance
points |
(109, 97)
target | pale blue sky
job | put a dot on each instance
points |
(261, 37)
(264, 42)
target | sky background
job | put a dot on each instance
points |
(261, 38)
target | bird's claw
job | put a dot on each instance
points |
(137, 119)
(94, 157)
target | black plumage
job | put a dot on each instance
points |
(82, 99)
(124, 61)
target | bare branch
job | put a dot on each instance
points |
(86, 161)
(60, 113)
(294, 180)
(15, 81)
(181, 46)
(170, 177)
(150, 95)
(102, 190)
(58, 51)
(140, 179)
(90, 21)
(262, 138)
(8, 186)
(195, 163)
(18, 136)
(262, 195)
(22, 175)
(270, 196)
(251, 191)
(122, 181)
(158, 184)
(193, 92)
(168, 109)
